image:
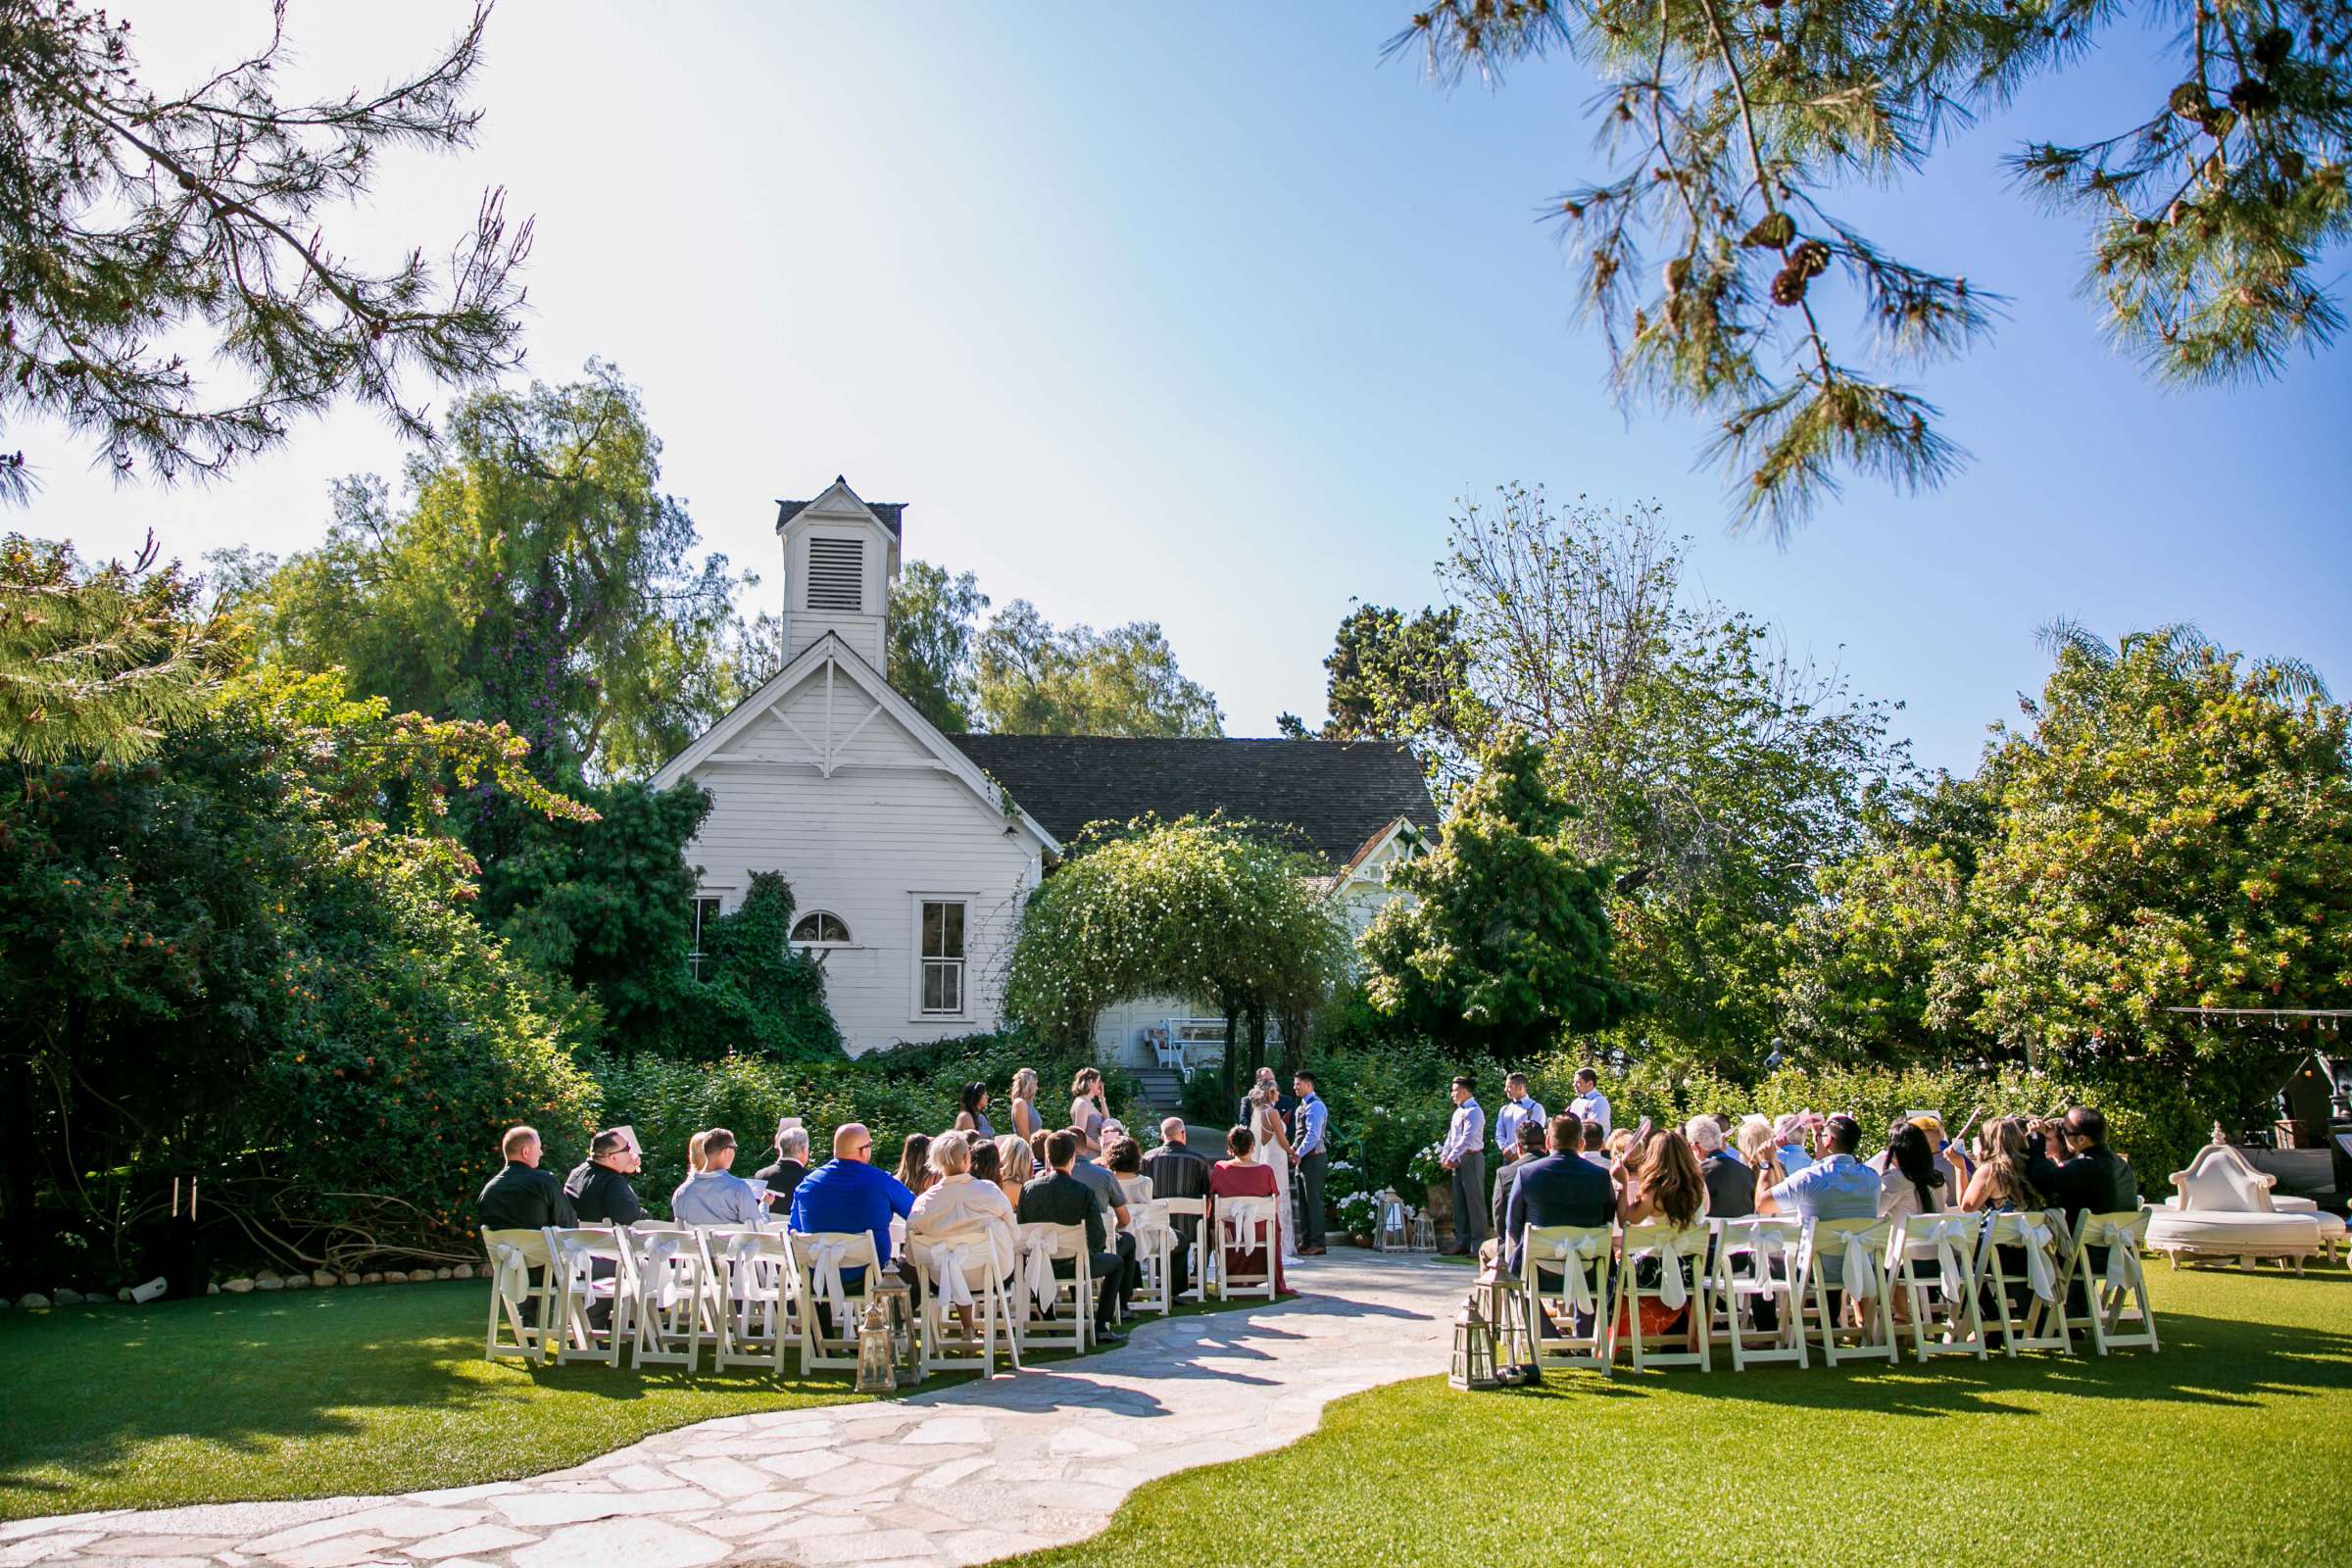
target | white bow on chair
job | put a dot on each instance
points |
(824, 1262)
(743, 1265)
(2041, 1274)
(663, 1252)
(1861, 1270)
(948, 1263)
(1037, 1261)
(1950, 1271)
(2122, 1258)
(513, 1271)
(1672, 1291)
(1573, 1253)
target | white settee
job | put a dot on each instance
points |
(2223, 1208)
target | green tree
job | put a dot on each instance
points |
(1395, 677)
(95, 662)
(142, 228)
(2213, 222)
(537, 575)
(2175, 830)
(1034, 681)
(931, 626)
(1503, 942)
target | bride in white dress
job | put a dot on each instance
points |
(1274, 1152)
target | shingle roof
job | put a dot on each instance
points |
(890, 511)
(1336, 794)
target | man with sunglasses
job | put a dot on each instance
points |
(847, 1194)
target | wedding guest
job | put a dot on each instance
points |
(1175, 1170)
(1238, 1175)
(521, 1197)
(846, 1195)
(1731, 1185)
(1910, 1178)
(2093, 1180)
(1311, 1119)
(1037, 1149)
(1596, 1145)
(988, 1163)
(975, 1105)
(1057, 1197)
(1999, 1184)
(959, 1200)
(1763, 1156)
(1088, 1109)
(1663, 1182)
(715, 1195)
(1104, 1185)
(1463, 1153)
(1948, 1155)
(1125, 1158)
(1561, 1188)
(1026, 1123)
(1527, 1144)
(791, 1164)
(1789, 1136)
(599, 1186)
(915, 1162)
(1589, 1103)
(1621, 1148)
(1837, 1185)
(694, 1153)
(1015, 1166)
(1518, 1110)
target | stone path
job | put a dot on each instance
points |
(968, 1474)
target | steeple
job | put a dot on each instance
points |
(841, 557)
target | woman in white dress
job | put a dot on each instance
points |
(1274, 1152)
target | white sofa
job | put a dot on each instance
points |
(2223, 1208)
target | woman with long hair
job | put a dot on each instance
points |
(693, 1153)
(915, 1162)
(1273, 1140)
(2000, 1184)
(1088, 1112)
(975, 1105)
(1911, 1178)
(1762, 1152)
(1663, 1182)
(1015, 1164)
(1026, 1122)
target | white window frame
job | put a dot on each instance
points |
(693, 936)
(848, 940)
(916, 1011)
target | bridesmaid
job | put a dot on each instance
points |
(1088, 1112)
(1025, 1121)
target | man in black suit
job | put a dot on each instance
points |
(1175, 1170)
(2095, 1180)
(1731, 1185)
(523, 1197)
(1058, 1197)
(1561, 1188)
(783, 1177)
(599, 1186)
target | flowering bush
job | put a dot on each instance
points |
(1426, 1169)
(1358, 1213)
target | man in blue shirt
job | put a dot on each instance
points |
(1310, 1126)
(1518, 1106)
(846, 1195)
(1464, 1154)
(1837, 1186)
(715, 1195)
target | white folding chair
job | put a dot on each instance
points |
(751, 1273)
(1247, 1225)
(525, 1309)
(675, 1310)
(1932, 1272)
(1680, 1254)
(1204, 1249)
(1842, 1255)
(2038, 1321)
(1756, 1264)
(1042, 1290)
(1577, 1257)
(963, 1270)
(1155, 1255)
(822, 1262)
(2118, 1317)
(581, 1286)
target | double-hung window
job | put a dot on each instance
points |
(939, 959)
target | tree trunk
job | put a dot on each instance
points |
(1295, 1027)
(1232, 1062)
(1258, 1038)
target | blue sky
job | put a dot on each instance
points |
(1203, 315)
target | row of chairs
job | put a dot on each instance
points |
(1773, 1289)
(666, 1294)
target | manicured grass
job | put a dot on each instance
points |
(2234, 1445)
(321, 1394)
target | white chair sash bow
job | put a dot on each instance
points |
(1671, 1290)
(578, 1260)
(1572, 1252)
(948, 1263)
(661, 1252)
(2122, 1256)
(1151, 1229)
(1861, 1269)
(744, 1267)
(513, 1271)
(824, 1262)
(1037, 1268)
(1950, 1271)
(2041, 1271)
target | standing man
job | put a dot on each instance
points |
(1464, 1154)
(1176, 1172)
(1310, 1125)
(1517, 1108)
(1589, 1103)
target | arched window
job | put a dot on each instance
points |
(820, 928)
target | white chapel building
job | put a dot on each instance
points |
(909, 851)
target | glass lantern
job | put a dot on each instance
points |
(1425, 1233)
(1473, 1349)
(1393, 1233)
(897, 1299)
(1514, 1352)
(876, 1362)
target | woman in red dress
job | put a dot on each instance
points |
(1240, 1176)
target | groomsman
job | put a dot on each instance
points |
(1518, 1106)
(1464, 1154)
(1310, 1125)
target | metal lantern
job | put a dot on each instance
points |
(1473, 1349)
(898, 1302)
(1514, 1352)
(875, 1361)
(1393, 1232)
(1425, 1233)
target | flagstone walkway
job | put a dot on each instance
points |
(973, 1472)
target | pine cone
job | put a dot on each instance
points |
(2252, 97)
(2189, 102)
(1789, 285)
(1812, 258)
(1773, 231)
(2272, 48)
(1677, 274)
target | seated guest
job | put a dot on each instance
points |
(694, 1153)
(1596, 1145)
(1999, 1184)
(1731, 1185)
(1559, 1187)
(1788, 1134)
(599, 1186)
(1058, 1197)
(1175, 1170)
(715, 1195)
(1910, 1177)
(1620, 1145)
(1760, 1147)
(915, 1162)
(846, 1195)
(1237, 1175)
(523, 1197)
(1663, 1182)
(1948, 1155)
(1528, 1138)
(1105, 1186)
(959, 1200)
(975, 1105)
(2093, 1180)
(1037, 1149)
(1015, 1166)
(783, 1177)
(1835, 1186)
(988, 1165)
(1125, 1158)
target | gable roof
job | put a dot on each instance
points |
(1338, 794)
(891, 514)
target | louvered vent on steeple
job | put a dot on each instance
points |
(837, 575)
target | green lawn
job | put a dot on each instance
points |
(320, 1393)
(2232, 1445)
